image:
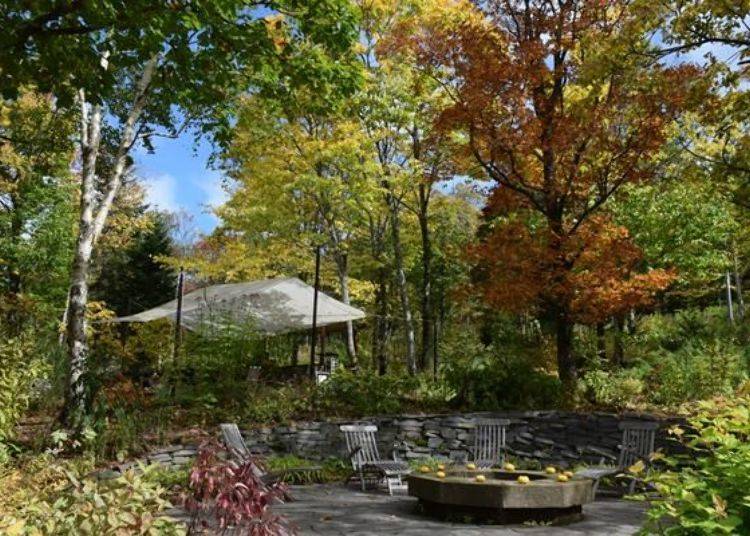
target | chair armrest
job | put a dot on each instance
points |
(394, 451)
(598, 472)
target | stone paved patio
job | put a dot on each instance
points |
(334, 509)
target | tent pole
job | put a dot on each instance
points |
(322, 347)
(315, 313)
(177, 329)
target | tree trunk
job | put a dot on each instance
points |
(730, 305)
(437, 332)
(601, 342)
(380, 333)
(738, 283)
(566, 366)
(294, 358)
(90, 225)
(75, 403)
(342, 268)
(403, 292)
(427, 350)
(618, 352)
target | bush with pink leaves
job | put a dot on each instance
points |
(232, 496)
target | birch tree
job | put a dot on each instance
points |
(140, 70)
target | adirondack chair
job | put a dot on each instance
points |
(362, 446)
(233, 440)
(638, 439)
(489, 442)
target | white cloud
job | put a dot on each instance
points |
(212, 186)
(161, 192)
(214, 195)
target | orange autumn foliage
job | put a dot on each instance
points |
(553, 102)
(596, 274)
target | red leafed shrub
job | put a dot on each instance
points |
(233, 495)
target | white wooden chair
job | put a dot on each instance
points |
(362, 447)
(489, 442)
(638, 438)
(234, 441)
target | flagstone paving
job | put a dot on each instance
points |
(336, 510)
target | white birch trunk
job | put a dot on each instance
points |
(90, 225)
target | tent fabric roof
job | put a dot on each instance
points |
(273, 306)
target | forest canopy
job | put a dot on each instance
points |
(538, 205)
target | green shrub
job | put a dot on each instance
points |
(611, 389)
(274, 404)
(56, 499)
(121, 418)
(706, 491)
(21, 366)
(366, 393)
(696, 371)
(330, 470)
(672, 332)
(484, 383)
(510, 373)
(168, 477)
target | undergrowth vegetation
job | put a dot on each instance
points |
(705, 492)
(670, 359)
(45, 496)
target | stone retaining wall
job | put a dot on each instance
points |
(556, 437)
(171, 456)
(548, 436)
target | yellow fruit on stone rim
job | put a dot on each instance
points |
(471, 466)
(523, 479)
(441, 467)
(562, 478)
(440, 474)
(569, 474)
(550, 470)
(424, 469)
(479, 478)
(509, 467)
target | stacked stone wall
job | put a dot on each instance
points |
(563, 438)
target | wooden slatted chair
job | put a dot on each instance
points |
(234, 441)
(638, 439)
(362, 447)
(489, 442)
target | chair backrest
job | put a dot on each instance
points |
(489, 440)
(234, 441)
(361, 443)
(638, 439)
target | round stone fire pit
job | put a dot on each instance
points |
(501, 498)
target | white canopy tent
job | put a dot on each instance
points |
(272, 306)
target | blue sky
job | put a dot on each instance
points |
(177, 178)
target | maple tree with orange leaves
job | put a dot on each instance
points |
(553, 102)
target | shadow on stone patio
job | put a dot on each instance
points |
(334, 509)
